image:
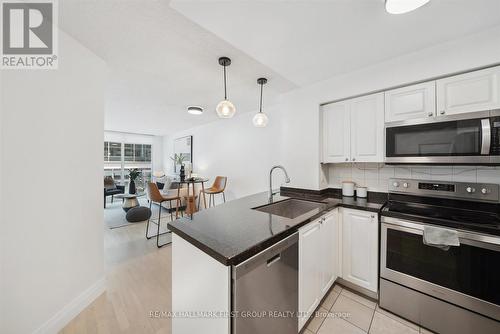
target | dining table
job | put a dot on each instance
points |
(191, 203)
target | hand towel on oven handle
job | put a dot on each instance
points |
(440, 237)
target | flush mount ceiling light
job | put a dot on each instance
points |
(260, 120)
(403, 6)
(195, 110)
(225, 109)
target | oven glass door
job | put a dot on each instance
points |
(443, 139)
(467, 275)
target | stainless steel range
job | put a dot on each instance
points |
(445, 288)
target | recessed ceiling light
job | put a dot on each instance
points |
(195, 110)
(403, 6)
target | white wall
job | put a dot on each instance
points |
(52, 223)
(236, 149)
(2, 218)
(157, 153)
(296, 131)
(300, 142)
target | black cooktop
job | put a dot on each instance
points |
(480, 217)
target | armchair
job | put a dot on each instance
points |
(111, 189)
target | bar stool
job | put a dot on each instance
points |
(154, 195)
(218, 187)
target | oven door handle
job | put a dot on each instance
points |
(486, 136)
(465, 237)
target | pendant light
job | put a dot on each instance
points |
(403, 6)
(225, 109)
(260, 120)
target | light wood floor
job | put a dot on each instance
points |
(138, 281)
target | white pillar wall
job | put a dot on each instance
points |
(52, 252)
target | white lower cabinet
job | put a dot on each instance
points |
(342, 243)
(329, 251)
(360, 248)
(318, 258)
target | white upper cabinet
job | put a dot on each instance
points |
(360, 248)
(353, 130)
(412, 102)
(367, 128)
(336, 133)
(469, 92)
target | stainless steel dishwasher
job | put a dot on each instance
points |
(265, 290)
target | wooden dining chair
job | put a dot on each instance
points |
(154, 196)
(218, 187)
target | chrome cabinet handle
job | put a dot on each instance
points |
(353, 159)
(346, 159)
(442, 112)
(430, 114)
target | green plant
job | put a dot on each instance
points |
(134, 174)
(178, 159)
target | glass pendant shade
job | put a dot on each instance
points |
(403, 6)
(260, 120)
(225, 109)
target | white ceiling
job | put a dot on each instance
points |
(163, 56)
(311, 40)
(162, 62)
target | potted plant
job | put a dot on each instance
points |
(133, 174)
(178, 159)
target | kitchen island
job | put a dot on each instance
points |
(207, 249)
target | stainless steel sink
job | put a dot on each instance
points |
(291, 208)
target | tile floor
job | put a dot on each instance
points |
(361, 316)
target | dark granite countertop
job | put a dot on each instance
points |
(233, 232)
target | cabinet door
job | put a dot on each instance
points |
(360, 248)
(367, 128)
(329, 253)
(336, 134)
(469, 92)
(416, 101)
(309, 275)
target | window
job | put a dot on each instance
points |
(129, 152)
(112, 151)
(119, 158)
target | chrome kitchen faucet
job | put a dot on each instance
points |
(287, 180)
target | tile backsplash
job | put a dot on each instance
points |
(376, 176)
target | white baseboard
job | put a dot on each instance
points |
(72, 309)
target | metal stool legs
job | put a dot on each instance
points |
(158, 230)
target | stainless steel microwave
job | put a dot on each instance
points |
(471, 138)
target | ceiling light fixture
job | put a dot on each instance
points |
(225, 109)
(260, 120)
(403, 6)
(195, 110)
